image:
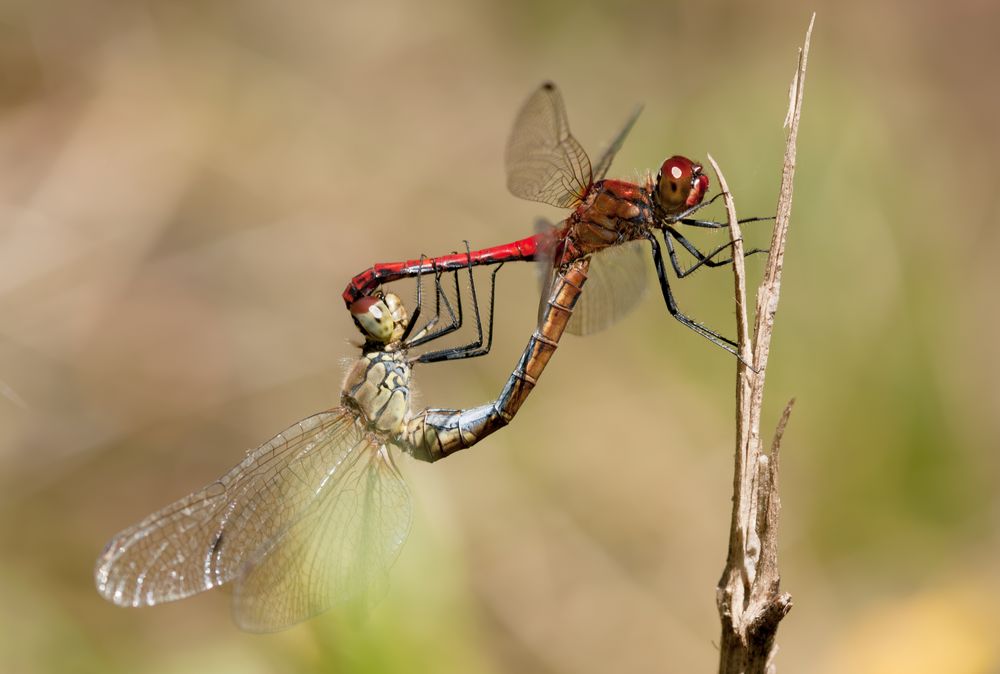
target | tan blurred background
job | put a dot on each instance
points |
(186, 187)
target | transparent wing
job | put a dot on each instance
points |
(616, 284)
(339, 551)
(229, 529)
(604, 163)
(544, 161)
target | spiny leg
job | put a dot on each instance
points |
(476, 348)
(713, 224)
(668, 296)
(683, 218)
(425, 335)
(703, 258)
(683, 215)
(416, 312)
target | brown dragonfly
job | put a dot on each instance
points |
(315, 516)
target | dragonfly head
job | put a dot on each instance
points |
(374, 319)
(680, 184)
(381, 319)
(400, 317)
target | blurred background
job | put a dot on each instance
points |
(186, 188)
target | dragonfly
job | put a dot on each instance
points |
(609, 221)
(315, 516)
(448, 431)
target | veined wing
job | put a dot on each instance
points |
(616, 283)
(544, 161)
(322, 492)
(604, 163)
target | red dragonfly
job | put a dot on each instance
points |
(610, 219)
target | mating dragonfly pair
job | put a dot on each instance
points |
(316, 516)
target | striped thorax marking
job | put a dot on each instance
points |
(378, 386)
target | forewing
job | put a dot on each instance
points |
(205, 539)
(544, 161)
(604, 163)
(616, 283)
(338, 551)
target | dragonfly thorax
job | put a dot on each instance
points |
(614, 211)
(378, 386)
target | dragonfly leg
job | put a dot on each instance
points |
(416, 312)
(668, 296)
(456, 321)
(684, 219)
(426, 335)
(476, 348)
(706, 259)
(683, 215)
(713, 224)
(435, 433)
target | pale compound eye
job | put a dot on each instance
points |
(373, 318)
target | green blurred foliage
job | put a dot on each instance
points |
(187, 186)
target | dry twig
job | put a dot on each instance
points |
(748, 595)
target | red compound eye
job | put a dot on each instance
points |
(680, 184)
(677, 169)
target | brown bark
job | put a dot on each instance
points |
(749, 598)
